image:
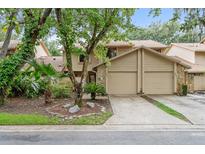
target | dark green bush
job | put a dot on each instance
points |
(61, 91)
(184, 90)
(94, 88)
(26, 84)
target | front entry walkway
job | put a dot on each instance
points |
(134, 110)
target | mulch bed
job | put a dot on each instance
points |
(23, 105)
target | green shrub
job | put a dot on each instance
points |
(93, 89)
(61, 91)
(184, 90)
(26, 84)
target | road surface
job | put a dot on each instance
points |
(103, 137)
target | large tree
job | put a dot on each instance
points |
(192, 22)
(89, 28)
(11, 23)
(35, 20)
(169, 32)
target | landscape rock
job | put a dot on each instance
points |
(74, 109)
(67, 105)
(90, 104)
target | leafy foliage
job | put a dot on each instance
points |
(94, 88)
(166, 33)
(53, 48)
(9, 67)
(26, 83)
(61, 90)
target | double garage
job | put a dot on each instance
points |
(142, 70)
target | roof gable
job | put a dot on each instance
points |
(150, 50)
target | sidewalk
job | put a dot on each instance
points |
(46, 128)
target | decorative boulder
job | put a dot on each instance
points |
(67, 105)
(74, 109)
(90, 104)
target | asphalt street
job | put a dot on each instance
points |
(102, 137)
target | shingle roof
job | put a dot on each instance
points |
(192, 46)
(12, 45)
(55, 61)
(137, 43)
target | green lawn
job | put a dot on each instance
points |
(27, 119)
(34, 119)
(171, 111)
(91, 120)
(167, 109)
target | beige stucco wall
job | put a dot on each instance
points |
(200, 58)
(77, 66)
(182, 53)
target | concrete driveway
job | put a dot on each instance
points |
(134, 110)
(192, 106)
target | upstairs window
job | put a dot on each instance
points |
(81, 58)
(111, 53)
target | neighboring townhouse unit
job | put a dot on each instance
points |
(192, 54)
(115, 48)
(142, 70)
(40, 50)
(55, 61)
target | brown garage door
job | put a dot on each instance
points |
(122, 83)
(158, 83)
(199, 82)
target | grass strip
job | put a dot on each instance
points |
(27, 119)
(167, 109)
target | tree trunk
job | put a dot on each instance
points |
(9, 31)
(47, 95)
(78, 94)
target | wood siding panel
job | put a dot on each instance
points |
(153, 62)
(125, 63)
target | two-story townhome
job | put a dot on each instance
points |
(192, 54)
(115, 48)
(137, 66)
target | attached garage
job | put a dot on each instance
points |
(159, 83)
(158, 74)
(122, 83)
(141, 70)
(199, 81)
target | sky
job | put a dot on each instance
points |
(141, 17)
